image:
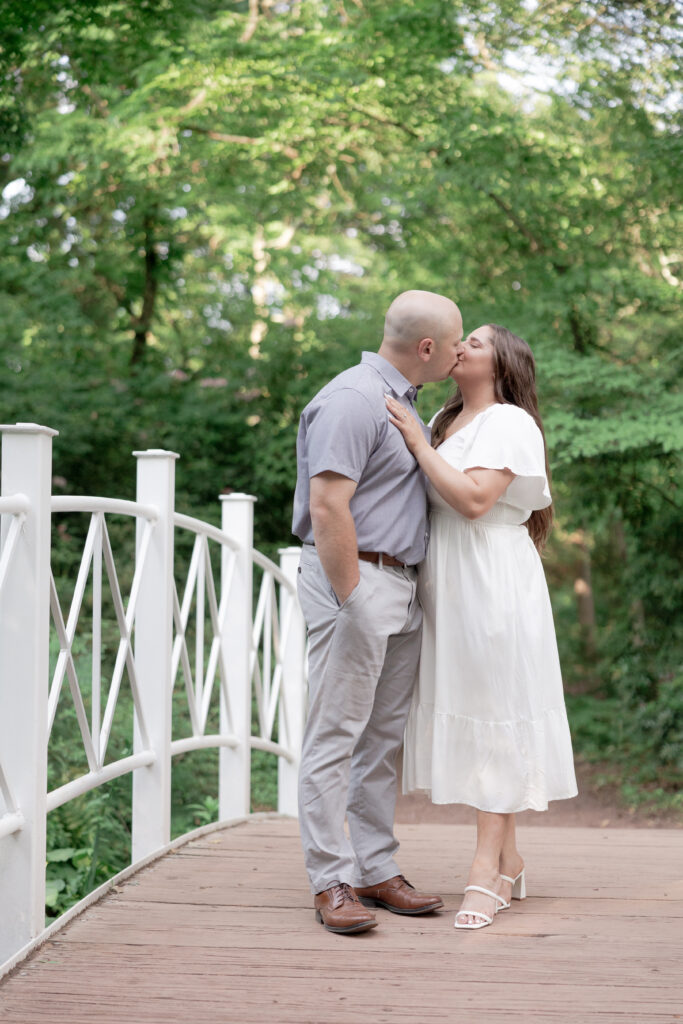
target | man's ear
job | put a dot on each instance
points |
(425, 349)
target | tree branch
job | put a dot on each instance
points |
(383, 120)
(534, 243)
(252, 22)
(242, 140)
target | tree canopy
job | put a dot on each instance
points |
(207, 206)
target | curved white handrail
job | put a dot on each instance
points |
(215, 533)
(270, 747)
(190, 743)
(84, 783)
(87, 503)
(185, 746)
(265, 563)
(207, 529)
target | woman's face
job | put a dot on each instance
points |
(475, 357)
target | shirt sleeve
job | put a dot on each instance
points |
(508, 438)
(342, 433)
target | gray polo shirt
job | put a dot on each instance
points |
(345, 429)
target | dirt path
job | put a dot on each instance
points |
(591, 808)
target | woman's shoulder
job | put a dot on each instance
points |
(512, 415)
(512, 425)
(506, 409)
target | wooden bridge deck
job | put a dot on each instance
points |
(222, 930)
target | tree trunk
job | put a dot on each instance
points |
(636, 609)
(585, 609)
(142, 323)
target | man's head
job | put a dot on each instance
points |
(422, 331)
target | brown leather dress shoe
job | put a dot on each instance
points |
(398, 896)
(339, 910)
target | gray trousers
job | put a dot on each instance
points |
(363, 664)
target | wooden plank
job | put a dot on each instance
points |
(243, 964)
(223, 929)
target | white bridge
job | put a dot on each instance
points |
(224, 929)
(203, 632)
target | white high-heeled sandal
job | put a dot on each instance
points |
(484, 919)
(518, 888)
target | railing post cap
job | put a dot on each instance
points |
(27, 428)
(291, 550)
(237, 497)
(156, 453)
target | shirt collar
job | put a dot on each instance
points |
(391, 376)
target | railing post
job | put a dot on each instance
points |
(234, 776)
(293, 697)
(153, 648)
(24, 670)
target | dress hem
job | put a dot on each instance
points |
(528, 806)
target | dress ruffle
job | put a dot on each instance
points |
(500, 767)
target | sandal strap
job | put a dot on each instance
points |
(487, 892)
(474, 913)
(506, 878)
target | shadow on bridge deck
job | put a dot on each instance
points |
(222, 930)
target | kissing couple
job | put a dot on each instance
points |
(428, 614)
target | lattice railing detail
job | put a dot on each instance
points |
(269, 640)
(98, 554)
(200, 683)
(16, 508)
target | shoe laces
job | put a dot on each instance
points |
(406, 882)
(345, 893)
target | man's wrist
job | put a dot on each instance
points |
(342, 592)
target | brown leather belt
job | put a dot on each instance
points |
(376, 556)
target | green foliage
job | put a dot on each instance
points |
(263, 781)
(636, 742)
(68, 878)
(88, 841)
(204, 812)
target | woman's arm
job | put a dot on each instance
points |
(471, 493)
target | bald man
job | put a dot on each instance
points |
(360, 509)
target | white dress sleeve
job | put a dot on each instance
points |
(507, 438)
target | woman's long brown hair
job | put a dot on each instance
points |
(514, 383)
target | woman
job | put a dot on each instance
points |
(488, 726)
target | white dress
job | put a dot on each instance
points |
(488, 725)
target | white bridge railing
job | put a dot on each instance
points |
(203, 641)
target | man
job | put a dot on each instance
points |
(360, 509)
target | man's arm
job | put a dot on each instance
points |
(334, 530)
